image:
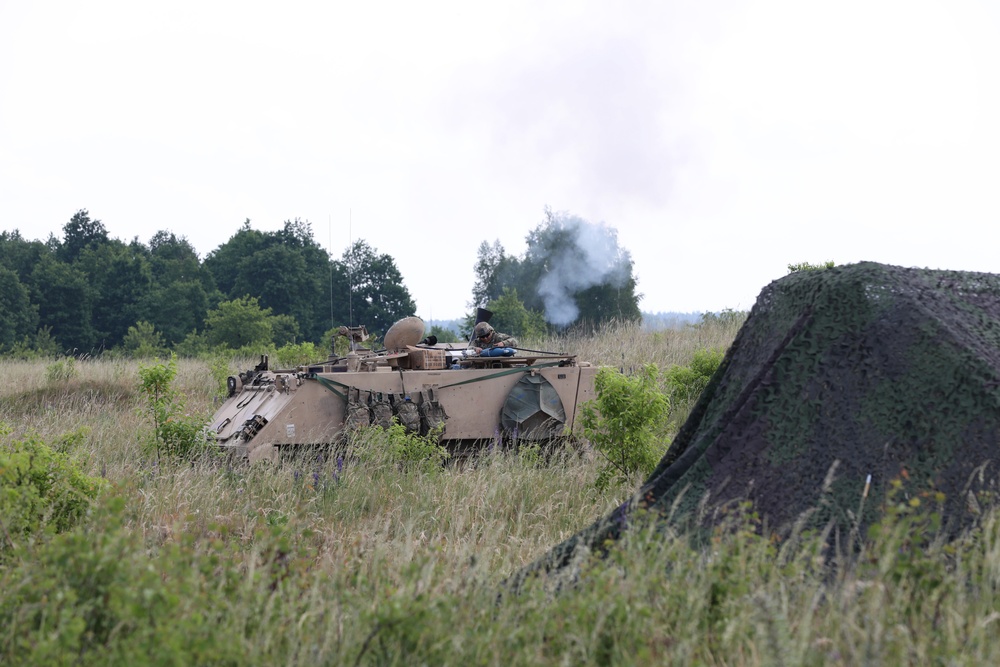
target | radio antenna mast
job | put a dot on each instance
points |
(350, 276)
(329, 245)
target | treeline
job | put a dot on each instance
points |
(88, 293)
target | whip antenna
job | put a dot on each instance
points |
(329, 245)
(350, 274)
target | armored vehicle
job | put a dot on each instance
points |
(448, 390)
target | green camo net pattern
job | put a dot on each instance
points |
(836, 375)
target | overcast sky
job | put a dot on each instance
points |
(722, 139)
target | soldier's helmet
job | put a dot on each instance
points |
(483, 331)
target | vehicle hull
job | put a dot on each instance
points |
(481, 401)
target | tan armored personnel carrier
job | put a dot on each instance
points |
(425, 385)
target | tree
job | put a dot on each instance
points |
(726, 317)
(231, 259)
(284, 282)
(443, 335)
(176, 309)
(286, 270)
(18, 317)
(608, 302)
(143, 341)
(378, 296)
(510, 316)
(63, 297)
(573, 271)
(494, 270)
(570, 256)
(284, 330)
(307, 298)
(173, 259)
(80, 233)
(21, 256)
(239, 323)
(182, 290)
(120, 280)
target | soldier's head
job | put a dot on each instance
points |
(483, 332)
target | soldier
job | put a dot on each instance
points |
(486, 338)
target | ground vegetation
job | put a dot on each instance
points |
(366, 558)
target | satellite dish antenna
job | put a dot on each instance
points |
(405, 332)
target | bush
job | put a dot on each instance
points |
(41, 345)
(175, 434)
(93, 596)
(40, 488)
(625, 424)
(219, 368)
(61, 370)
(292, 355)
(284, 330)
(143, 341)
(193, 345)
(727, 317)
(685, 383)
(239, 322)
(396, 446)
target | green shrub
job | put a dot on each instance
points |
(61, 370)
(194, 344)
(22, 349)
(397, 447)
(41, 345)
(219, 367)
(291, 355)
(530, 454)
(40, 488)
(726, 318)
(143, 341)
(175, 434)
(913, 548)
(625, 424)
(94, 596)
(685, 383)
(45, 344)
(238, 323)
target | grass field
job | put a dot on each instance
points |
(321, 562)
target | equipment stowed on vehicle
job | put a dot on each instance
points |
(428, 387)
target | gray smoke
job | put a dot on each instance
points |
(576, 254)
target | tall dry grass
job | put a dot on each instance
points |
(337, 560)
(498, 510)
(505, 512)
(626, 346)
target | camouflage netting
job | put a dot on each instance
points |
(864, 369)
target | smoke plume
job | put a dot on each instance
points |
(575, 255)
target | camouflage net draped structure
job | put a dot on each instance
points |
(836, 375)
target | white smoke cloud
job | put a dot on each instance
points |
(576, 255)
